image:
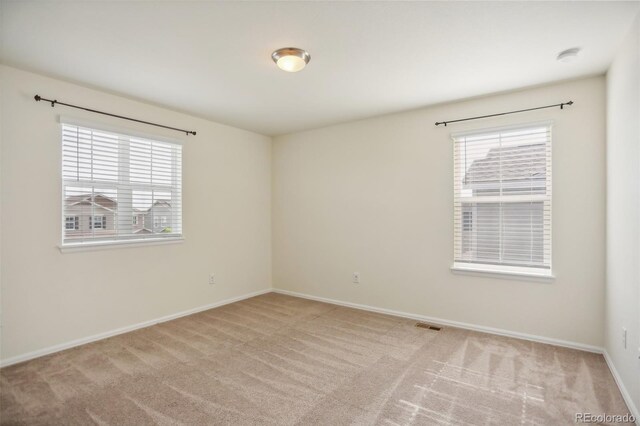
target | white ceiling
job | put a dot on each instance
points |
(212, 59)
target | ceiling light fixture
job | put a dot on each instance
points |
(291, 59)
(568, 55)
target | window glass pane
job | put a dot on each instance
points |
(523, 233)
(119, 187)
(502, 197)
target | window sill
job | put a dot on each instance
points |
(495, 273)
(107, 245)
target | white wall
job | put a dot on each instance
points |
(49, 298)
(375, 196)
(623, 212)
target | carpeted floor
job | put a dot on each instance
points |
(275, 359)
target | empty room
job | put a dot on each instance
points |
(319, 213)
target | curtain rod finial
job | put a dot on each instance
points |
(37, 98)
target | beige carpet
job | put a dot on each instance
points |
(276, 359)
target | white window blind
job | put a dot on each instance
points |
(118, 187)
(502, 200)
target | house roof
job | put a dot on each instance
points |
(99, 200)
(143, 231)
(107, 203)
(161, 203)
(509, 163)
(87, 197)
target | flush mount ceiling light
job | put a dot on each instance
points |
(568, 55)
(291, 59)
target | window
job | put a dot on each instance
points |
(502, 200)
(97, 222)
(71, 223)
(112, 181)
(467, 220)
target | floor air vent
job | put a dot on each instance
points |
(428, 326)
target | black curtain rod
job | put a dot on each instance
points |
(38, 98)
(504, 113)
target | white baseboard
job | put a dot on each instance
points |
(623, 390)
(100, 336)
(440, 321)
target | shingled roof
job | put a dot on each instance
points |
(107, 202)
(100, 200)
(517, 163)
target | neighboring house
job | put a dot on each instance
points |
(158, 217)
(484, 223)
(97, 215)
(87, 215)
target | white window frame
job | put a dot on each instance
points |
(508, 271)
(70, 247)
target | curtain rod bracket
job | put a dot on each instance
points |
(39, 98)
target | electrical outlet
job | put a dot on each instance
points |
(212, 278)
(356, 278)
(624, 337)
